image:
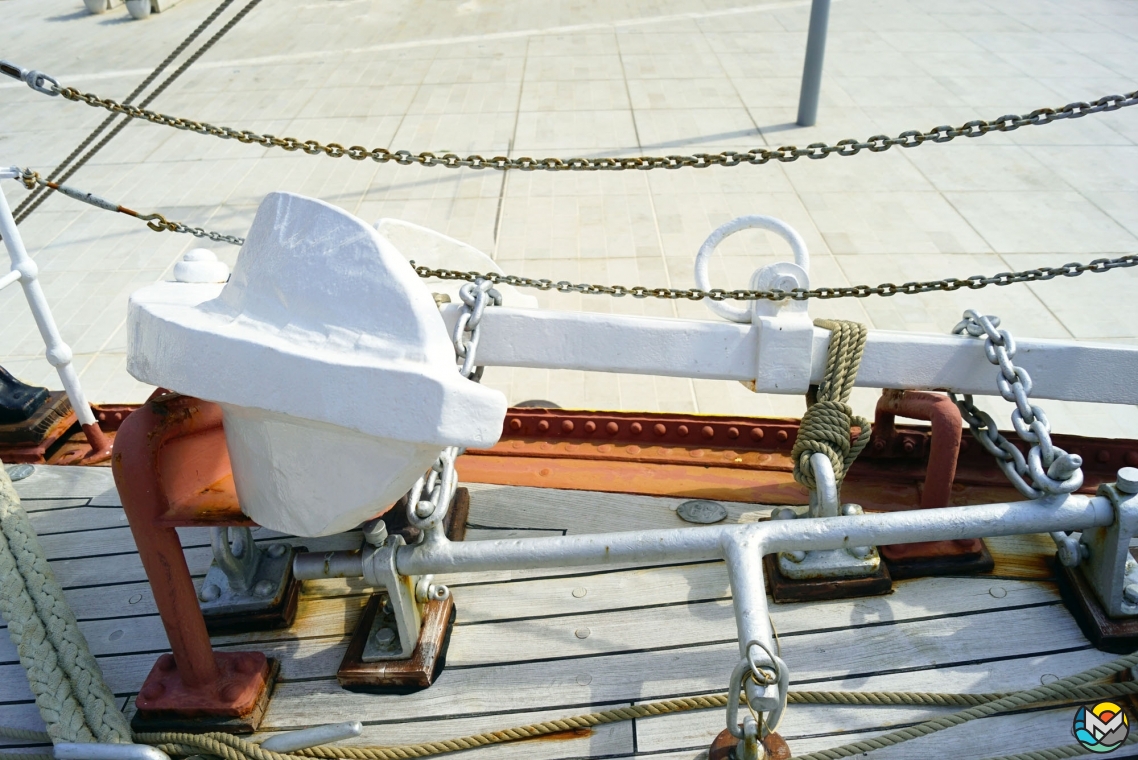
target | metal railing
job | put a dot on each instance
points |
(59, 355)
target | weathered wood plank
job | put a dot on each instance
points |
(49, 481)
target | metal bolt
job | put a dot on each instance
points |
(795, 556)
(264, 588)
(701, 511)
(209, 593)
(579, 593)
(384, 637)
(860, 552)
(1130, 593)
(386, 605)
(375, 531)
(784, 513)
(276, 551)
(424, 509)
(582, 633)
(852, 509)
(1127, 481)
(19, 471)
(438, 592)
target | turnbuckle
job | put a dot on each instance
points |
(35, 79)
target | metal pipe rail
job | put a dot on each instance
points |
(59, 355)
(741, 546)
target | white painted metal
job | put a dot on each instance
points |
(335, 373)
(290, 741)
(758, 222)
(200, 265)
(9, 279)
(95, 751)
(1065, 370)
(58, 353)
(433, 249)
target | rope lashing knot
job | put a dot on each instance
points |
(828, 423)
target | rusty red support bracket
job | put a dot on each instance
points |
(929, 557)
(171, 466)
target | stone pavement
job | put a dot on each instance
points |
(598, 77)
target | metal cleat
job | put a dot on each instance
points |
(99, 751)
(291, 741)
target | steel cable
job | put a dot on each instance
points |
(61, 173)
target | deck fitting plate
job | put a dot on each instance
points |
(238, 612)
(723, 747)
(785, 590)
(234, 704)
(1119, 636)
(969, 556)
(399, 676)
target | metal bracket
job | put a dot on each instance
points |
(243, 578)
(847, 562)
(1111, 571)
(400, 608)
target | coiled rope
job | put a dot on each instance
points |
(68, 686)
(829, 420)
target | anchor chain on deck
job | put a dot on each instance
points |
(756, 156)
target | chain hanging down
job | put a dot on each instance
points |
(757, 156)
(159, 223)
(430, 497)
(1047, 470)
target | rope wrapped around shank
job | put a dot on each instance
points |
(829, 421)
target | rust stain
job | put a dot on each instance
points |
(560, 736)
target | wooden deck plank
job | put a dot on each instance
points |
(654, 632)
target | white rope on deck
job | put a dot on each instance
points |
(68, 685)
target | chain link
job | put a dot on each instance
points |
(757, 156)
(975, 282)
(1047, 470)
(430, 497)
(159, 223)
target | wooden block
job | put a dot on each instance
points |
(785, 590)
(930, 558)
(1106, 633)
(399, 676)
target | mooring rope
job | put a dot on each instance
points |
(72, 697)
(827, 424)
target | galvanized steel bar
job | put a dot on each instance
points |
(1072, 512)
(812, 69)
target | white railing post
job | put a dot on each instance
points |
(812, 69)
(25, 271)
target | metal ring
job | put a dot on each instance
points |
(756, 221)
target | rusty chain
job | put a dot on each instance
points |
(757, 156)
(159, 223)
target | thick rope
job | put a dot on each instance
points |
(829, 420)
(230, 747)
(24, 734)
(1053, 691)
(68, 685)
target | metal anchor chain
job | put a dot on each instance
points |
(1047, 470)
(757, 156)
(430, 497)
(755, 727)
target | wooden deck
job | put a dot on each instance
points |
(518, 656)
